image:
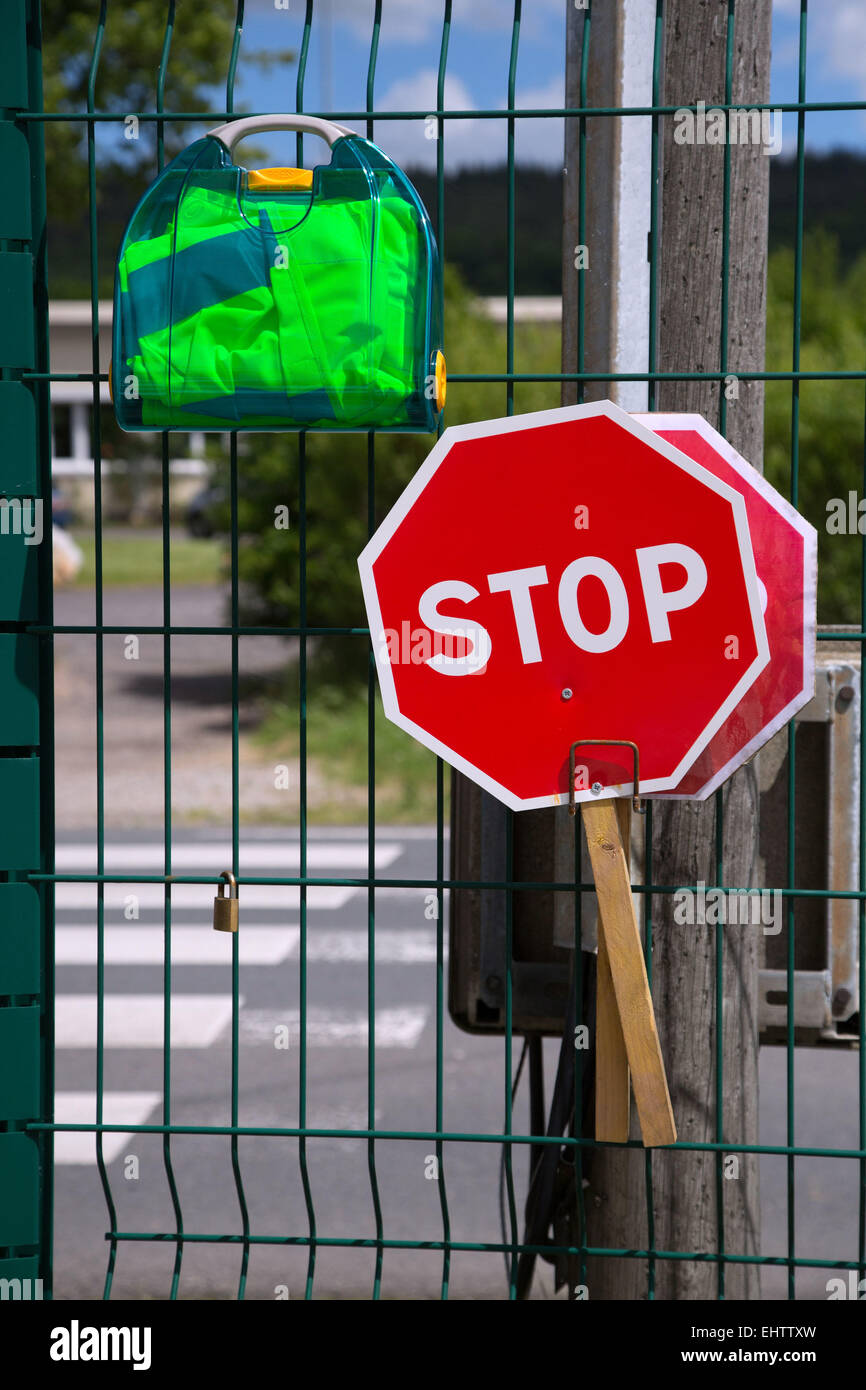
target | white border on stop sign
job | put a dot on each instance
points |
(750, 474)
(540, 419)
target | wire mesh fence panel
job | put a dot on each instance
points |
(302, 1117)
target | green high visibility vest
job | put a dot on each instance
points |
(278, 299)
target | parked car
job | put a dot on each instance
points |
(62, 513)
(201, 512)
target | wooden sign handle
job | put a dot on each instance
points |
(612, 1084)
(628, 972)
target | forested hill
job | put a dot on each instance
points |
(476, 223)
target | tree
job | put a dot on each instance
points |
(126, 83)
(832, 334)
(337, 487)
(831, 450)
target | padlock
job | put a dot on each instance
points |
(225, 909)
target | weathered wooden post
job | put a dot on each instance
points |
(696, 200)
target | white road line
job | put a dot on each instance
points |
(400, 1027)
(135, 1020)
(417, 895)
(78, 896)
(79, 1108)
(256, 1111)
(134, 944)
(391, 947)
(210, 855)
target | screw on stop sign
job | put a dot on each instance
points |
(487, 602)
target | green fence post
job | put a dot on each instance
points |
(26, 677)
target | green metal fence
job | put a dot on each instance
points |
(26, 779)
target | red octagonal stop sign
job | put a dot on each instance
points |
(785, 546)
(560, 576)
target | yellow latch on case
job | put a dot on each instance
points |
(280, 178)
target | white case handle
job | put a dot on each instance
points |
(234, 131)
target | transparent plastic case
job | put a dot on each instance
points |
(278, 299)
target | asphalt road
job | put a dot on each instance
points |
(338, 1090)
(345, 1086)
(133, 712)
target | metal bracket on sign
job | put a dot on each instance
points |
(636, 802)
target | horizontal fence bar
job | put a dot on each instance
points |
(658, 376)
(517, 885)
(464, 377)
(158, 629)
(441, 1136)
(490, 113)
(482, 1247)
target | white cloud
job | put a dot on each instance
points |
(468, 142)
(841, 39)
(408, 20)
(836, 41)
(413, 142)
(540, 141)
(418, 93)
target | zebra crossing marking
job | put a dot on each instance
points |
(394, 1027)
(137, 944)
(136, 1020)
(79, 1108)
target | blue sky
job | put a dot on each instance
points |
(478, 66)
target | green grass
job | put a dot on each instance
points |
(134, 559)
(337, 750)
